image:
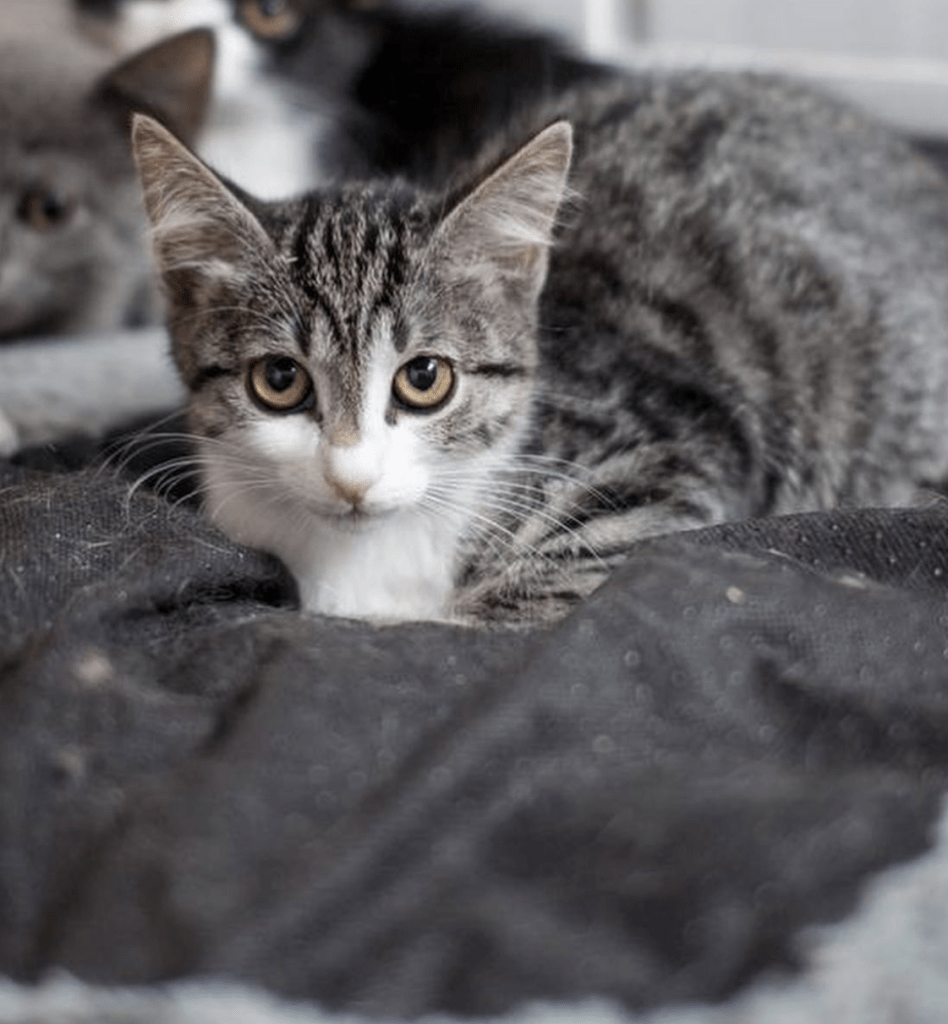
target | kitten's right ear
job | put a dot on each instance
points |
(199, 223)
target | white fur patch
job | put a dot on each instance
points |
(392, 562)
(259, 134)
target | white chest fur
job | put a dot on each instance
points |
(391, 567)
(400, 568)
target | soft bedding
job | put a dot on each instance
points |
(714, 792)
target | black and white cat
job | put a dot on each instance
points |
(261, 130)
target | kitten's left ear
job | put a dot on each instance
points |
(506, 224)
(200, 225)
(171, 81)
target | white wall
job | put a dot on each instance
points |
(568, 17)
(906, 28)
(889, 55)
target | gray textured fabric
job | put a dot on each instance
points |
(646, 803)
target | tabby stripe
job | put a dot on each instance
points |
(619, 113)
(503, 370)
(365, 259)
(685, 405)
(300, 266)
(682, 318)
(675, 314)
(395, 272)
(205, 374)
(329, 243)
(571, 423)
(577, 518)
(688, 154)
(399, 328)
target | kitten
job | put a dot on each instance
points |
(72, 256)
(411, 90)
(445, 405)
(253, 115)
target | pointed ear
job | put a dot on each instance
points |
(506, 224)
(200, 225)
(171, 81)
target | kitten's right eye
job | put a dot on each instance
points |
(280, 384)
(424, 383)
(270, 19)
(43, 208)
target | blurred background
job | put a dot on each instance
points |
(889, 55)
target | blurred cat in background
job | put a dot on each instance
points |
(413, 89)
(72, 256)
(260, 130)
(354, 88)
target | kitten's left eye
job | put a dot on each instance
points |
(424, 383)
(44, 208)
(280, 384)
(270, 19)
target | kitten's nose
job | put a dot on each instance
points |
(349, 491)
(350, 471)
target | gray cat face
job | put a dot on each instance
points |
(71, 256)
(359, 357)
(72, 253)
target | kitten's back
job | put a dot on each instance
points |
(788, 254)
(746, 313)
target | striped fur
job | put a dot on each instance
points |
(744, 312)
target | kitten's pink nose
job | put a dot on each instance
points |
(350, 491)
(350, 472)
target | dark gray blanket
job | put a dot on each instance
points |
(647, 802)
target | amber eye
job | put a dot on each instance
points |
(44, 208)
(270, 19)
(424, 382)
(281, 384)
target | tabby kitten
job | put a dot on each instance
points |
(470, 404)
(72, 257)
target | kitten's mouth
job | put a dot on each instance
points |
(355, 519)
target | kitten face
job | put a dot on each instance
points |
(358, 411)
(360, 367)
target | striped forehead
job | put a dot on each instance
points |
(350, 260)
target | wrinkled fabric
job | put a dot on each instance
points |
(646, 802)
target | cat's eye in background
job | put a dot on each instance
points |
(44, 208)
(270, 19)
(424, 383)
(280, 384)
